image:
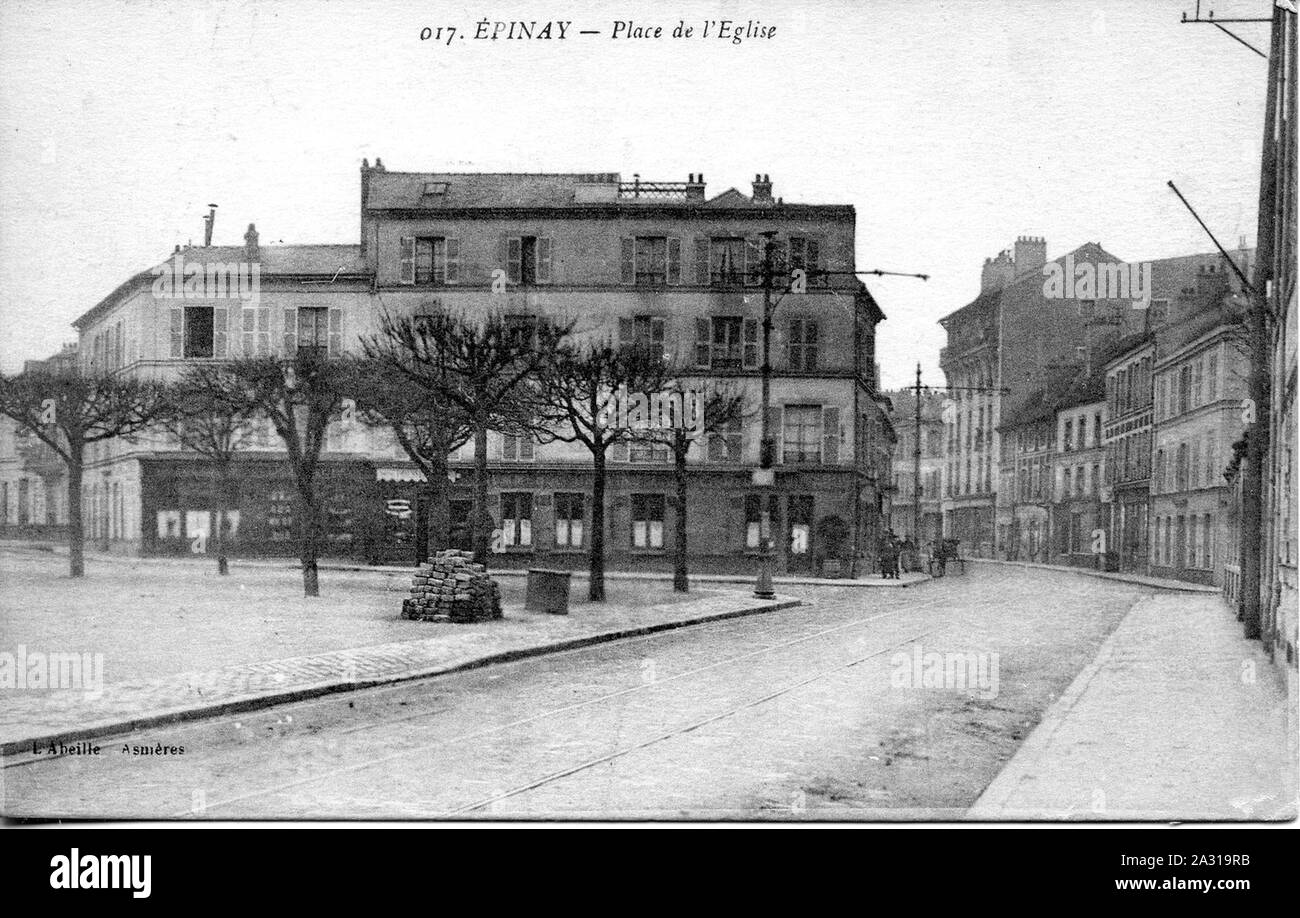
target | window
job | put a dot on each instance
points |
(428, 260)
(1212, 378)
(800, 528)
(256, 332)
(1184, 389)
(802, 434)
(516, 519)
(198, 332)
(647, 521)
(522, 330)
(1068, 443)
(1159, 311)
(754, 519)
(725, 443)
(315, 331)
(802, 348)
(1096, 478)
(805, 255)
(1180, 468)
(1207, 541)
(1197, 377)
(1079, 481)
(642, 332)
(726, 343)
(647, 449)
(651, 261)
(1065, 483)
(517, 447)
(727, 262)
(568, 520)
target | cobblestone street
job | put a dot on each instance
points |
(812, 712)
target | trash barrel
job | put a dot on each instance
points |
(547, 591)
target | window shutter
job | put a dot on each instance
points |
(514, 259)
(702, 260)
(509, 446)
(626, 332)
(543, 260)
(526, 449)
(290, 332)
(753, 262)
(336, 332)
(627, 260)
(178, 332)
(406, 260)
(674, 260)
(830, 435)
(452, 247)
(701, 342)
(220, 331)
(750, 354)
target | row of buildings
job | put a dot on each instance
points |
(1090, 430)
(655, 263)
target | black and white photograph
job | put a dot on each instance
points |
(631, 413)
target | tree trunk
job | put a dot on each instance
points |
(439, 521)
(596, 566)
(681, 583)
(76, 528)
(310, 545)
(223, 497)
(482, 519)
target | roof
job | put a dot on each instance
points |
(397, 190)
(273, 261)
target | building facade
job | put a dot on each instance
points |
(929, 436)
(1079, 476)
(658, 263)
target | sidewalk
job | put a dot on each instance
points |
(66, 716)
(864, 580)
(1178, 718)
(1163, 583)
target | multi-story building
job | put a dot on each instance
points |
(33, 479)
(1079, 474)
(1002, 347)
(1127, 438)
(658, 262)
(929, 436)
(1200, 381)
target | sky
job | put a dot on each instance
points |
(952, 128)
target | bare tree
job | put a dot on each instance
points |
(300, 396)
(207, 412)
(708, 418)
(578, 403)
(488, 368)
(427, 426)
(68, 411)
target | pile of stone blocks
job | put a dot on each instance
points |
(450, 587)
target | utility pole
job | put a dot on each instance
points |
(917, 490)
(1256, 411)
(764, 477)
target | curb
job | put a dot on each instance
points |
(290, 564)
(1155, 583)
(12, 748)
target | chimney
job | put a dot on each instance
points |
(1031, 254)
(997, 272)
(365, 199)
(695, 187)
(762, 189)
(210, 219)
(250, 243)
